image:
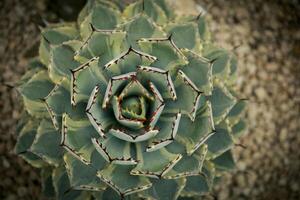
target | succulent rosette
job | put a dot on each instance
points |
(129, 103)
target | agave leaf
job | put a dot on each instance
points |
(184, 35)
(149, 7)
(62, 61)
(195, 186)
(167, 132)
(164, 189)
(140, 26)
(114, 176)
(130, 123)
(165, 8)
(219, 142)
(114, 150)
(101, 17)
(82, 176)
(108, 194)
(76, 138)
(47, 184)
(84, 79)
(25, 140)
(233, 70)
(188, 97)
(62, 186)
(189, 165)
(220, 60)
(157, 106)
(56, 109)
(37, 87)
(100, 118)
(101, 43)
(239, 129)
(236, 112)
(194, 134)
(53, 36)
(34, 89)
(222, 101)
(35, 108)
(159, 78)
(168, 55)
(199, 71)
(157, 169)
(202, 28)
(224, 162)
(47, 143)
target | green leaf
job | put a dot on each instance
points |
(56, 108)
(220, 59)
(101, 17)
(166, 8)
(85, 78)
(140, 27)
(236, 112)
(38, 87)
(62, 61)
(164, 189)
(148, 7)
(76, 138)
(163, 48)
(25, 140)
(188, 97)
(100, 118)
(219, 142)
(167, 132)
(224, 162)
(114, 150)
(103, 44)
(82, 176)
(114, 176)
(160, 79)
(194, 134)
(164, 162)
(239, 129)
(184, 35)
(196, 186)
(26, 136)
(198, 70)
(203, 29)
(222, 102)
(54, 35)
(189, 165)
(47, 143)
(47, 184)
(62, 186)
(130, 123)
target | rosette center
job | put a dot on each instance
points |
(134, 108)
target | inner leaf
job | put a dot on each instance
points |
(134, 108)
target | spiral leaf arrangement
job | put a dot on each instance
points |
(134, 103)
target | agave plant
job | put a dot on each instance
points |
(133, 103)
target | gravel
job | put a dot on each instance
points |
(264, 34)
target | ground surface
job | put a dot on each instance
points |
(267, 34)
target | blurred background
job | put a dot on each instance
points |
(264, 34)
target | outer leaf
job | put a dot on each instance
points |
(62, 186)
(55, 35)
(164, 189)
(114, 176)
(164, 162)
(224, 162)
(219, 142)
(47, 184)
(47, 143)
(82, 176)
